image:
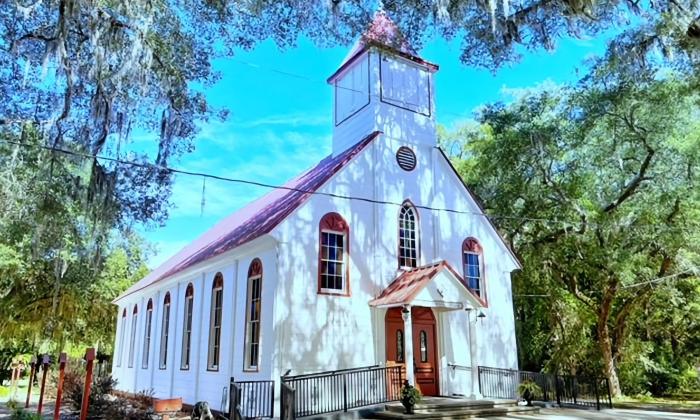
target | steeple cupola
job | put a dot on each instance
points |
(382, 85)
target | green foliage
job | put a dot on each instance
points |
(529, 386)
(20, 414)
(12, 404)
(411, 393)
(596, 187)
(62, 260)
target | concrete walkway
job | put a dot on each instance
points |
(614, 414)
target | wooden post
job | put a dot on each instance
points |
(45, 365)
(59, 392)
(31, 380)
(90, 358)
(15, 377)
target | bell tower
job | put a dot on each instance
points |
(382, 85)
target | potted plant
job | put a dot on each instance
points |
(410, 396)
(528, 389)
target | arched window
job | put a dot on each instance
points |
(147, 334)
(217, 302)
(164, 332)
(252, 335)
(132, 341)
(121, 338)
(473, 266)
(187, 328)
(423, 346)
(334, 249)
(408, 236)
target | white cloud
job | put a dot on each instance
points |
(289, 120)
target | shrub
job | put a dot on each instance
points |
(20, 414)
(103, 403)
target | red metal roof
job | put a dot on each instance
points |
(408, 284)
(254, 220)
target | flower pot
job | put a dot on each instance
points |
(409, 404)
(528, 396)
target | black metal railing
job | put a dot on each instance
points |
(341, 390)
(251, 399)
(564, 389)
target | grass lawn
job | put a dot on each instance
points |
(689, 402)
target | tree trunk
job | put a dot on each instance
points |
(608, 363)
(604, 340)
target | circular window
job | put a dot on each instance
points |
(406, 158)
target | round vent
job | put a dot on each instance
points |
(406, 158)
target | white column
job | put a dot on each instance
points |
(155, 358)
(408, 344)
(200, 335)
(172, 338)
(473, 355)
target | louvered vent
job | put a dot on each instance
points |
(406, 158)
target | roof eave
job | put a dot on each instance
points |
(432, 67)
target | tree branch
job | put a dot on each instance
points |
(632, 186)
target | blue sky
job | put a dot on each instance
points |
(281, 120)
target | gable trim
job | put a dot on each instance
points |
(472, 196)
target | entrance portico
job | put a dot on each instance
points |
(413, 301)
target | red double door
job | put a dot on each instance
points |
(424, 362)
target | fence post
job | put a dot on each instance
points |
(45, 370)
(478, 371)
(597, 397)
(31, 381)
(345, 393)
(610, 404)
(90, 358)
(59, 391)
(15, 378)
(557, 389)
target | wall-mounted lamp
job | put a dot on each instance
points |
(481, 316)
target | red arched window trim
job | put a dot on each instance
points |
(218, 281)
(472, 245)
(149, 307)
(189, 292)
(255, 268)
(334, 222)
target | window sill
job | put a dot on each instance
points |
(331, 292)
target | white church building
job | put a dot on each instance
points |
(377, 255)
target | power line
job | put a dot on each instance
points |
(659, 279)
(641, 283)
(315, 192)
(315, 80)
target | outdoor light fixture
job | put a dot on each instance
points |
(481, 316)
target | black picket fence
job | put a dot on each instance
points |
(566, 390)
(251, 399)
(340, 390)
